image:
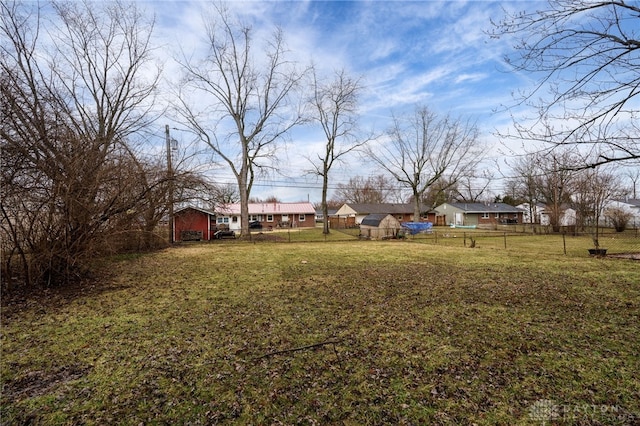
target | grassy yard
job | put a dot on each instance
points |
(348, 333)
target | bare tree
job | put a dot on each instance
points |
(224, 194)
(473, 188)
(334, 107)
(371, 190)
(524, 183)
(554, 183)
(268, 199)
(154, 182)
(587, 56)
(592, 190)
(425, 149)
(440, 192)
(69, 102)
(247, 99)
(634, 177)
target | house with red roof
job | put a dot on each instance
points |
(268, 215)
(194, 223)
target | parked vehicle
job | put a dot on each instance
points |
(224, 233)
(255, 225)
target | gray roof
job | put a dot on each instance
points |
(208, 212)
(330, 212)
(373, 219)
(486, 208)
(634, 202)
(380, 208)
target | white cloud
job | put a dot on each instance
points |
(472, 77)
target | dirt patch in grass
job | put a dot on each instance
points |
(33, 384)
(632, 256)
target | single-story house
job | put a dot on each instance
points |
(352, 214)
(379, 226)
(480, 214)
(193, 224)
(268, 215)
(568, 216)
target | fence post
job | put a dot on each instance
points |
(564, 243)
(464, 236)
(505, 240)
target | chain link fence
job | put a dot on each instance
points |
(572, 244)
(524, 239)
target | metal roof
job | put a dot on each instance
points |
(268, 208)
(380, 208)
(374, 219)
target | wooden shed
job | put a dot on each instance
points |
(379, 226)
(193, 224)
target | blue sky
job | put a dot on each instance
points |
(406, 52)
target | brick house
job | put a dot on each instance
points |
(268, 215)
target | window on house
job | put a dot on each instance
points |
(485, 215)
(235, 219)
(223, 220)
(497, 215)
(301, 218)
(269, 218)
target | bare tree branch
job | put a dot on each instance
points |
(587, 56)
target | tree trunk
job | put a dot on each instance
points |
(244, 206)
(325, 208)
(416, 206)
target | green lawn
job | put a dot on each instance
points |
(349, 333)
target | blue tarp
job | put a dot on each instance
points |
(417, 227)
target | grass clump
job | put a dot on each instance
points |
(330, 333)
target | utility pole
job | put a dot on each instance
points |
(170, 179)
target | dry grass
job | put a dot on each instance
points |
(330, 333)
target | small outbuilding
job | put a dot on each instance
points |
(379, 226)
(193, 224)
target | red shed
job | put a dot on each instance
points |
(193, 224)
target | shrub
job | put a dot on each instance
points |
(619, 218)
